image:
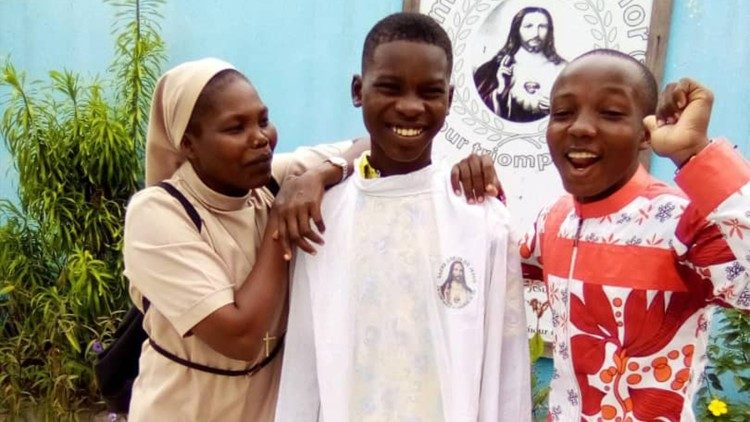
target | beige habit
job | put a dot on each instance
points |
(187, 274)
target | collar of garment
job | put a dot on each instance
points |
(625, 195)
(369, 181)
(208, 197)
(366, 170)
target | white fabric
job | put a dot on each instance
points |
(370, 337)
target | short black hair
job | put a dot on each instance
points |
(205, 103)
(650, 89)
(406, 26)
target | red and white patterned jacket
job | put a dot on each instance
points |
(631, 280)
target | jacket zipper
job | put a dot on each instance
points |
(569, 282)
(575, 249)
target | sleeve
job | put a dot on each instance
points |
(304, 158)
(506, 386)
(714, 230)
(299, 397)
(168, 262)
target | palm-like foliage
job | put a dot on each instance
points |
(77, 147)
(729, 354)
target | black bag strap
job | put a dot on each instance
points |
(273, 187)
(217, 371)
(189, 208)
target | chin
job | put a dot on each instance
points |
(260, 181)
(578, 192)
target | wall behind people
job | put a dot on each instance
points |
(300, 54)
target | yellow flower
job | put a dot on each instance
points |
(717, 407)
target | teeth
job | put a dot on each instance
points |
(582, 155)
(407, 132)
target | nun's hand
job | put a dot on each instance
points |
(297, 204)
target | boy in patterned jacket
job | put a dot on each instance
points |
(632, 266)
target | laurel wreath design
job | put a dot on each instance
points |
(469, 107)
(601, 19)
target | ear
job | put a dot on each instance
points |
(187, 147)
(645, 141)
(450, 95)
(357, 90)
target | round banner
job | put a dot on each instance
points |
(507, 54)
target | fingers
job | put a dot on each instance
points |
(505, 66)
(679, 128)
(505, 60)
(544, 104)
(682, 96)
(306, 230)
(490, 181)
(497, 187)
(282, 236)
(456, 180)
(318, 219)
(477, 179)
(672, 101)
(301, 232)
(475, 176)
(650, 123)
(465, 175)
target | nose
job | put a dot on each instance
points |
(410, 106)
(583, 126)
(259, 138)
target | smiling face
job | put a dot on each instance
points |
(229, 140)
(404, 94)
(533, 31)
(595, 129)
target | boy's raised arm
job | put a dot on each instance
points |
(716, 178)
(679, 130)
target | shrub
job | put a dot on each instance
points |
(728, 355)
(78, 148)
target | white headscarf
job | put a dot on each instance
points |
(174, 98)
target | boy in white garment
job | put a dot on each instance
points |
(413, 309)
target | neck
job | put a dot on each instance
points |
(391, 168)
(525, 56)
(610, 190)
(388, 166)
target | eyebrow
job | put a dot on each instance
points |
(616, 90)
(241, 115)
(608, 89)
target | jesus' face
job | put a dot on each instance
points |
(533, 31)
(457, 271)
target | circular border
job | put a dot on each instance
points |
(473, 112)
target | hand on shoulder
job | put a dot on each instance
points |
(476, 177)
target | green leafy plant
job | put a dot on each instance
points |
(539, 391)
(729, 355)
(77, 147)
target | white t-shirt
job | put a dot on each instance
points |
(412, 311)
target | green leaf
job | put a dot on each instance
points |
(536, 347)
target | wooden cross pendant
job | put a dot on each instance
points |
(267, 339)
